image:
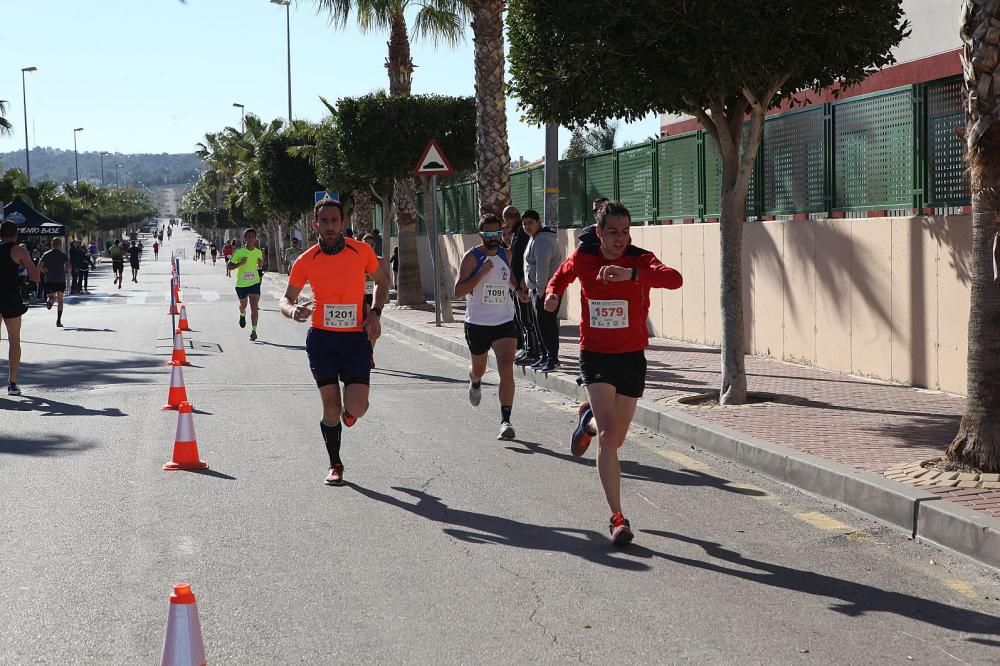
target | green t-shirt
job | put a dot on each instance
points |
(116, 253)
(247, 275)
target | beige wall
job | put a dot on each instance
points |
(886, 298)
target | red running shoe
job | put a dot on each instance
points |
(621, 531)
(348, 419)
(582, 435)
(336, 476)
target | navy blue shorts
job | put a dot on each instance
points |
(339, 357)
(243, 292)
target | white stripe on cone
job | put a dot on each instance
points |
(182, 645)
(178, 341)
(176, 377)
(185, 428)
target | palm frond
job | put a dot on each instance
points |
(441, 21)
(6, 128)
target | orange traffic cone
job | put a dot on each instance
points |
(178, 357)
(178, 393)
(185, 445)
(182, 325)
(182, 644)
(177, 291)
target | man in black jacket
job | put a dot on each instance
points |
(528, 341)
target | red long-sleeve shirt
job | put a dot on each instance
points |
(613, 314)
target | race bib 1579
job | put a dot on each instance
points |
(609, 314)
(340, 316)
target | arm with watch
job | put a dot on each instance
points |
(373, 321)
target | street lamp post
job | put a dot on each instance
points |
(287, 4)
(76, 159)
(24, 98)
(243, 115)
(117, 166)
(103, 153)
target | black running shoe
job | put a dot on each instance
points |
(243, 321)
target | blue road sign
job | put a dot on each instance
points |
(327, 195)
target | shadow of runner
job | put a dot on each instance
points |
(640, 472)
(72, 372)
(42, 447)
(404, 374)
(49, 407)
(587, 544)
(858, 598)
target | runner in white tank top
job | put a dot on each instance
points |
(485, 280)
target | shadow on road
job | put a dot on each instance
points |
(640, 472)
(213, 473)
(858, 599)
(73, 372)
(587, 544)
(42, 447)
(275, 344)
(49, 407)
(404, 374)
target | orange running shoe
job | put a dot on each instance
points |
(621, 531)
(348, 419)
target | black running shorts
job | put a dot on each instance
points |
(339, 357)
(626, 372)
(481, 338)
(12, 306)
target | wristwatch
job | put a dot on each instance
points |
(377, 311)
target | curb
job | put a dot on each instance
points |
(921, 515)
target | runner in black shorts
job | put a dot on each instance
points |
(13, 256)
(615, 279)
(339, 342)
(117, 255)
(486, 281)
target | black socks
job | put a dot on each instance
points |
(331, 435)
(505, 413)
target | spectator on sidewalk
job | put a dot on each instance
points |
(378, 242)
(542, 258)
(589, 234)
(527, 339)
(394, 264)
(292, 253)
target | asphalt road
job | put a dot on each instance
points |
(446, 546)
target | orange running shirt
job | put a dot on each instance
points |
(338, 284)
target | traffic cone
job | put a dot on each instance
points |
(178, 357)
(185, 445)
(178, 393)
(182, 645)
(182, 325)
(177, 291)
(172, 310)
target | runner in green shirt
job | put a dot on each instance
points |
(246, 261)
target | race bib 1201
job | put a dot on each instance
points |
(340, 316)
(495, 294)
(609, 314)
(249, 276)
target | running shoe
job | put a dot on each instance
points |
(506, 431)
(48, 305)
(582, 435)
(13, 389)
(520, 356)
(475, 394)
(621, 531)
(551, 365)
(59, 324)
(253, 335)
(539, 364)
(243, 321)
(336, 476)
(348, 419)
(527, 360)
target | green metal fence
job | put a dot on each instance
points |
(891, 150)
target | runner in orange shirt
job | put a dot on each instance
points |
(339, 342)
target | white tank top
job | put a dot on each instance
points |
(490, 303)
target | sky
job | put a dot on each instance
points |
(153, 76)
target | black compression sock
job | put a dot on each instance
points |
(331, 435)
(475, 384)
(505, 413)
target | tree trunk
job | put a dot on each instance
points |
(492, 150)
(977, 444)
(410, 291)
(399, 64)
(362, 216)
(734, 379)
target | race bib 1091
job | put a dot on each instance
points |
(340, 316)
(609, 314)
(495, 294)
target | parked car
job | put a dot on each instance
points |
(185, 227)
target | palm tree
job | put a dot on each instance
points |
(492, 149)
(443, 22)
(977, 444)
(6, 129)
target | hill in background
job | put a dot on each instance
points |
(150, 170)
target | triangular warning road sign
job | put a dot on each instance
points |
(433, 162)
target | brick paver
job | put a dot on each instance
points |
(866, 424)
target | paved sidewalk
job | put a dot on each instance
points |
(866, 425)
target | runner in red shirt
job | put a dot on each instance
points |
(615, 279)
